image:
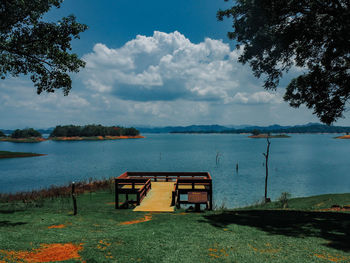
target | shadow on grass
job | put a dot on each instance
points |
(8, 223)
(11, 211)
(333, 227)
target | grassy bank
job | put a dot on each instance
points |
(6, 154)
(46, 229)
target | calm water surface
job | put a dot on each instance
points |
(303, 165)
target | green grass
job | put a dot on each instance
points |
(255, 234)
(6, 154)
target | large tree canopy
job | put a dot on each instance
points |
(311, 34)
(31, 46)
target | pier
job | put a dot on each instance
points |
(163, 191)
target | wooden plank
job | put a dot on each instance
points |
(197, 197)
(189, 186)
(158, 198)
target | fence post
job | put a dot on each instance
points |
(74, 199)
(116, 194)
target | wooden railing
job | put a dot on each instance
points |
(184, 186)
(129, 186)
(184, 183)
(165, 176)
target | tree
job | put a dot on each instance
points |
(30, 46)
(311, 34)
(255, 132)
(25, 133)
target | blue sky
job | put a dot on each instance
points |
(151, 63)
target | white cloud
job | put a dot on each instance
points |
(261, 97)
(164, 79)
(167, 67)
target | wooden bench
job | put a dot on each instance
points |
(198, 198)
(200, 187)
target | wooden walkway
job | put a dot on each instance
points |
(158, 198)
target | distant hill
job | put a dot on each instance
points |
(275, 128)
(180, 129)
(307, 128)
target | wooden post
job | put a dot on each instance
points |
(138, 198)
(211, 196)
(74, 199)
(116, 194)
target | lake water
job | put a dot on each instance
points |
(302, 165)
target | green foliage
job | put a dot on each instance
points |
(255, 132)
(92, 131)
(31, 46)
(2, 134)
(25, 133)
(313, 35)
(284, 198)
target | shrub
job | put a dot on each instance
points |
(284, 198)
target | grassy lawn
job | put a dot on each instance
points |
(6, 154)
(99, 233)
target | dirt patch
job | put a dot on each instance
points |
(343, 137)
(336, 208)
(268, 249)
(45, 253)
(336, 258)
(57, 226)
(217, 253)
(103, 245)
(146, 218)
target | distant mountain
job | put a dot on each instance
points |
(180, 129)
(306, 128)
(275, 128)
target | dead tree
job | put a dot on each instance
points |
(267, 168)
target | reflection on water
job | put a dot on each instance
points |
(302, 165)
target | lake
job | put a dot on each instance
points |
(303, 165)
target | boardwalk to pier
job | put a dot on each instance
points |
(158, 198)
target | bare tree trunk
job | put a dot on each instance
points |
(267, 167)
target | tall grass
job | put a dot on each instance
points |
(37, 197)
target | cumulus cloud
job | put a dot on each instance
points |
(163, 79)
(168, 67)
(262, 97)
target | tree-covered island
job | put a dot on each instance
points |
(73, 133)
(24, 135)
(93, 132)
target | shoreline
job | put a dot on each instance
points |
(94, 138)
(74, 138)
(259, 136)
(343, 137)
(23, 140)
